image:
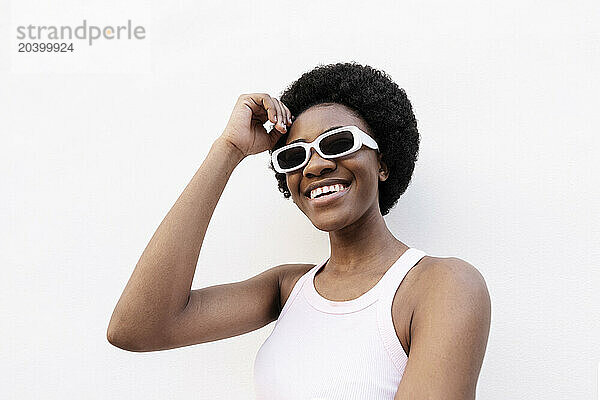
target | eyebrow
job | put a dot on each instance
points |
(325, 131)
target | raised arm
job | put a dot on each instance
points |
(157, 309)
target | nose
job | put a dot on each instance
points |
(317, 165)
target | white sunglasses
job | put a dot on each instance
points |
(332, 144)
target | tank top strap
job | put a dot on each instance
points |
(393, 279)
(298, 287)
(395, 275)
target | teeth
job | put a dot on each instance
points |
(326, 189)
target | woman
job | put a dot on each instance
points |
(377, 319)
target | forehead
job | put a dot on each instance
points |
(317, 119)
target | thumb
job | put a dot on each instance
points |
(274, 136)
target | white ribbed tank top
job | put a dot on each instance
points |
(322, 349)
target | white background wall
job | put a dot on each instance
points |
(98, 144)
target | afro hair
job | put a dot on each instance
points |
(379, 102)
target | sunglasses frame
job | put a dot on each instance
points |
(358, 135)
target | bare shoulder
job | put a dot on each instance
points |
(289, 274)
(455, 289)
(450, 273)
(432, 280)
(449, 268)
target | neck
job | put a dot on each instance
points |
(364, 245)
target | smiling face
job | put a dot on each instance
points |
(358, 172)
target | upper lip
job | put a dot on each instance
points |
(324, 182)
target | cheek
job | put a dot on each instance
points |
(366, 174)
(368, 188)
(292, 184)
(370, 184)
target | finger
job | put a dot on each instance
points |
(280, 116)
(275, 134)
(255, 104)
(272, 137)
(270, 106)
(288, 113)
(263, 105)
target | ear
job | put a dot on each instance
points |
(384, 172)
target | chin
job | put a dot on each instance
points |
(328, 227)
(330, 221)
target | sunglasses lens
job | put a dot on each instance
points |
(291, 158)
(337, 143)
